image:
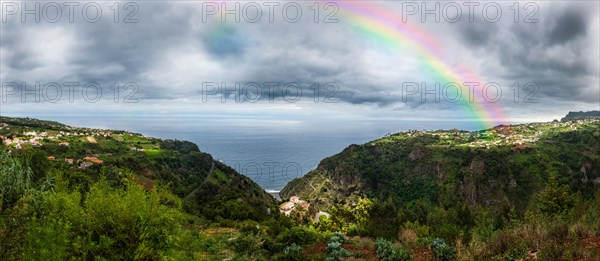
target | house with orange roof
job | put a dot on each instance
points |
(93, 159)
(294, 199)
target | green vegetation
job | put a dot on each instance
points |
(386, 251)
(15, 180)
(508, 193)
(334, 250)
(442, 251)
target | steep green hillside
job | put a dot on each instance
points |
(505, 193)
(506, 163)
(87, 154)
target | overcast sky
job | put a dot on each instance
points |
(170, 52)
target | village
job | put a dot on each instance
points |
(301, 206)
(17, 137)
(517, 136)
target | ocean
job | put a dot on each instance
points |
(270, 152)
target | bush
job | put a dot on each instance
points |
(442, 250)
(248, 246)
(108, 223)
(298, 235)
(383, 248)
(292, 252)
(517, 253)
(250, 227)
(386, 251)
(334, 249)
(47, 241)
(337, 237)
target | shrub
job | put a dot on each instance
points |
(383, 248)
(591, 217)
(292, 252)
(248, 246)
(250, 227)
(334, 249)
(298, 235)
(337, 237)
(517, 253)
(47, 240)
(105, 223)
(386, 251)
(442, 250)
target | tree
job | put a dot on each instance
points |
(556, 199)
(384, 220)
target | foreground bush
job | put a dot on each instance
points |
(442, 250)
(109, 223)
(292, 252)
(334, 250)
(386, 251)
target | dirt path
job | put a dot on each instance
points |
(205, 180)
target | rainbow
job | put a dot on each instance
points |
(388, 28)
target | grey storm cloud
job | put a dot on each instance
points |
(477, 33)
(569, 25)
(559, 54)
(170, 52)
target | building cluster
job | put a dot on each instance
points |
(518, 136)
(30, 137)
(33, 138)
(295, 201)
(81, 163)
